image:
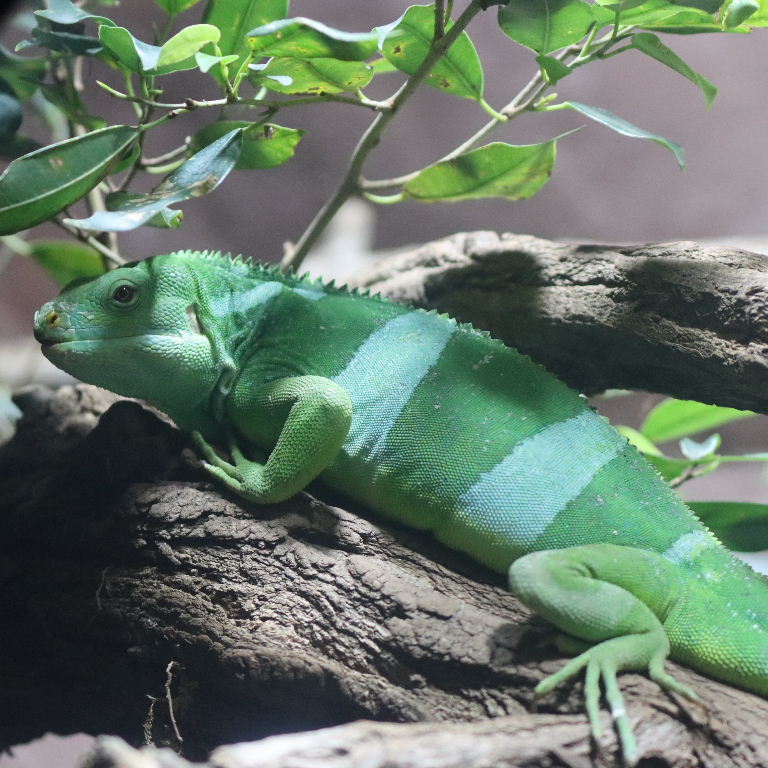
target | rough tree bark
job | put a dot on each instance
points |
(138, 600)
(677, 318)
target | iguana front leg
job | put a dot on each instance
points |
(616, 597)
(311, 417)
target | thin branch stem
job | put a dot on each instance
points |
(94, 198)
(520, 103)
(162, 35)
(148, 162)
(585, 48)
(350, 183)
(113, 256)
(523, 101)
(439, 19)
(189, 105)
(601, 49)
(144, 122)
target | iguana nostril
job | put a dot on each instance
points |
(53, 319)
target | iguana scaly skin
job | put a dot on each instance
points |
(438, 426)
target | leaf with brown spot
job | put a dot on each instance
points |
(406, 42)
(198, 176)
(35, 187)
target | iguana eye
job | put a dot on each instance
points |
(124, 293)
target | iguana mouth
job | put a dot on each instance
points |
(47, 340)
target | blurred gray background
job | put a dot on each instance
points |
(605, 187)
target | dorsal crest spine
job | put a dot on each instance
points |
(262, 271)
(272, 272)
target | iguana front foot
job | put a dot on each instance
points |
(244, 477)
(311, 415)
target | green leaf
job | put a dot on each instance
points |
(639, 440)
(66, 12)
(739, 11)
(663, 15)
(313, 75)
(672, 469)
(127, 159)
(407, 41)
(18, 146)
(10, 112)
(740, 525)
(63, 96)
(619, 5)
(236, 17)
(64, 42)
(758, 19)
(696, 451)
(546, 25)
(205, 61)
(685, 21)
(382, 66)
(174, 55)
(553, 69)
(618, 124)
(258, 79)
(51, 31)
(127, 50)
(165, 218)
(174, 7)
(185, 44)
(308, 39)
(198, 176)
(23, 74)
(708, 6)
(67, 260)
(649, 12)
(264, 145)
(495, 170)
(650, 45)
(672, 419)
(39, 185)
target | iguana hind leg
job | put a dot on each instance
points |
(615, 597)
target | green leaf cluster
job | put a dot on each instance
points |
(740, 525)
(261, 58)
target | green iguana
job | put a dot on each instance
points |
(436, 425)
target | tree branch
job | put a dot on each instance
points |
(350, 182)
(136, 599)
(676, 318)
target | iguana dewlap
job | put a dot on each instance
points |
(436, 425)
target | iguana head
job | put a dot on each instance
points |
(134, 331)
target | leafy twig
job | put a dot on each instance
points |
(523, 101)
(189, 105)
(113, 256)
(149, 162)
(350, 183)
